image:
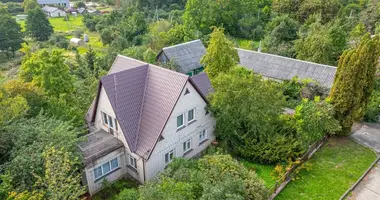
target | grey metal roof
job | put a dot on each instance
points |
(143, 98)
(203, 83)
(186, 55)
(98, 144)
(283, 68)
(49, 9)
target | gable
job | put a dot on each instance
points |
(192, 100)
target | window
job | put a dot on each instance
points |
(106, 168)
(109, 121)
(190, 115)
(132, 162)
(169, 156)
(202, 136)
(180, 121)
(187, 146)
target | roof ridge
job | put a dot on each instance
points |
(168, 70)
(177, 45)
(286, 57)
(141, 108)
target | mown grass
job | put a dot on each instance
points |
(335, 167)
(262, 171)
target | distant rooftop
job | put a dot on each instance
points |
(283, 68)
(186, 55)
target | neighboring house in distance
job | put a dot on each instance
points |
(186, 56)
(143, 117)
(65, 3)
(53, 11)
(283, 68)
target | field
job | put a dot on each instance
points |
(74, 23)
(335, 167)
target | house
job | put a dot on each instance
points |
(283, 68)
(65, 3)
(21, 17)
(142, 117)
(268, 65)
(186, 56)
(53, 11)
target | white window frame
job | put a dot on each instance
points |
(205, 136)
(194, 111)
(112, 169)
(183, 121)
(169, 159)
(106, 119)
(186, 146)
(132, 162)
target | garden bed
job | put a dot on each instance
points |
(110, 191)
(335, 167)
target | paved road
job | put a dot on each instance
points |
(369, 187)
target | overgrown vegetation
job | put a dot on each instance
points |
(211, 177)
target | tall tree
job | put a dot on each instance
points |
(61, 179)
(321, 43)
(29, 5)
(48, 70)
(281, 33)
(220, 54)
(37, 24)
(247, 110)
(10, 33)
(354, 82)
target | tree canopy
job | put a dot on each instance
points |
(220, 54)
(37, 24)
(354, 81)
(10, 33)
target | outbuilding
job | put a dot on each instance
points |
(77, 42)
(53, 11)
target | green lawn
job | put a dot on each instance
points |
(263, 171)
(74, 23)
(335, 167)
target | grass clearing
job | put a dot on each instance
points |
(335, 167)
(74, 23)
(246, 44)
(263, 171)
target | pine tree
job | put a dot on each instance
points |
(354, 81)
(220, 55)
(90, 58)
(37, 25)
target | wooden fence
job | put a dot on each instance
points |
(280, 184)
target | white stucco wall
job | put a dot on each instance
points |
(173, 138)
(104, 105)
(96, 185)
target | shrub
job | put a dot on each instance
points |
(78, 33)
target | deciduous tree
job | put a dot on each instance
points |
(37, 25)
(10, 34)
(48, 70)
(61, 179)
